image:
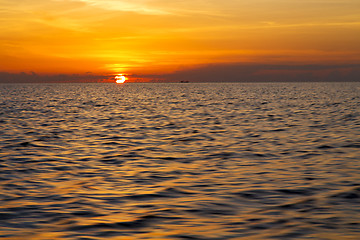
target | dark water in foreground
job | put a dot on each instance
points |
(180, 161)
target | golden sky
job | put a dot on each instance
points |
(160, 36)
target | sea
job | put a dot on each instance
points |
(161, 161)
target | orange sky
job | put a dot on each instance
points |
(161, 36)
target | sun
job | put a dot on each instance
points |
(120, 78)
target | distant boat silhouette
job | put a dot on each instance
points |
(184, 81)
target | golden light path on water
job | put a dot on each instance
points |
(120, 78)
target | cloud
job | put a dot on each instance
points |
(140, 6)
(263, 73)
(234, 72)
(32, 77)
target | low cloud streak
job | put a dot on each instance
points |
(32, 77)
(263, 73)
(234, 72)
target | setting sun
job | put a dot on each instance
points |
(120, 78)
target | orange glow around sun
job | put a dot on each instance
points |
(59, 39)
(120, 78)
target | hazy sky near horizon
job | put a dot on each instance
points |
(160, 36)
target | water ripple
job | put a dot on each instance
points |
(180, 161)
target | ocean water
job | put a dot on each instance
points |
(180, 161)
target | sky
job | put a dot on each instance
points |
(161, 40)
